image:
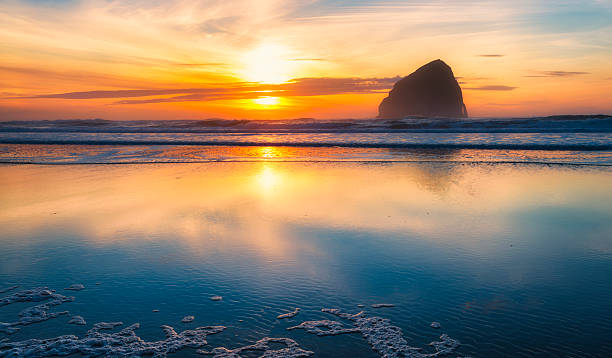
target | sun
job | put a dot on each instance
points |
(268, 63)
(267, 101)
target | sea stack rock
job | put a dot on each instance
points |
(431, 91)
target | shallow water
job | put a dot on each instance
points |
(132, 154)
(511, 259)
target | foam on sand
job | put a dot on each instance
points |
(381, 305)
(289, 314)
(124, 343)
(36, 313)
(292, 349)
(75, 287)
(78, 320)
(383, 337)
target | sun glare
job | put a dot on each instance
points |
(267, 101)
(269, 152)
(267, 179)
(268, 63)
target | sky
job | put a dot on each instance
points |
(273, 59)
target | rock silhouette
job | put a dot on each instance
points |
(430, 91)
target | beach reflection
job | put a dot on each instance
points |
(267, 179)
(269, 152)
(256, 204)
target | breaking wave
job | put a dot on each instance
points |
(554, 124)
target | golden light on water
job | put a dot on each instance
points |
(267, 178)
(269, 152)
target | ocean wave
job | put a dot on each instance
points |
(103, 141)
(551, 124)
(436, 145)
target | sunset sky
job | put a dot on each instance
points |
(271, 59)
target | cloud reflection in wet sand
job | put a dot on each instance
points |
(255, 203)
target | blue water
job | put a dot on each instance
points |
(510, 249)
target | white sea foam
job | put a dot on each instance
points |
(383, 337)
(78, 320)
(188, 319)
(96, 343)
(36, 313)
(291, 349)
(289, 314)
(382, 305)
(125, 343)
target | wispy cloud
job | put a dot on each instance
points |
(299, 87)
(491, 88)
(491, 56)
(121, 93)
(557, 73)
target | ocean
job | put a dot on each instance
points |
(560, 139)
(489, 237)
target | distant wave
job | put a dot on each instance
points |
(552, 124)
(436, 145)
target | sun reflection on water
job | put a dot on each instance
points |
(151, 201)
(269, 152)
(267, 179)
